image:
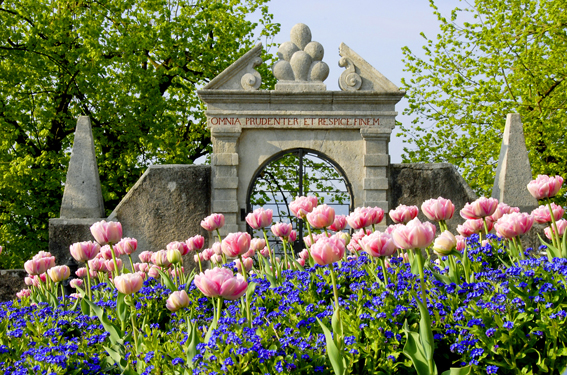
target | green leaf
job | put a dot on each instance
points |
(458, 371)
(336, 324)
(425, 332)
(212, 327)
(414, 351)
(167, 281)
(299, 266)
(552, 251)
(193, 339)
(116, 333)
(85, 308)
(121, 307)
(335, 356)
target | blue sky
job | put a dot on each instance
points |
(376, 29)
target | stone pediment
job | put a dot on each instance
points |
(359, 75)
(241, 75)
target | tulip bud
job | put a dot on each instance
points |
(177, 301)
(173, 256)
(445, 243)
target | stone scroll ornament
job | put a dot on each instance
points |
(300, 61)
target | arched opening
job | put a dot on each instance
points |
(293, 173)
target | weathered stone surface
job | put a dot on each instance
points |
(514, 172)
(11, 282)
(64, 232)
(412, 184)
(240, 75)
(166, 204)
(82, 197)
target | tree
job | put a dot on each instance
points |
(509, 58)
(133, 66)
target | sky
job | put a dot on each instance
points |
(375, 29)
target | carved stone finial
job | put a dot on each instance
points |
(300, 66)
(241, 75)
(360, 75)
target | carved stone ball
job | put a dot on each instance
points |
(300, 35)
(315, 50)
(300, 63)
(286, 50)
(319, 71)
(282, 71)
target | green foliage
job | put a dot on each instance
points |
(509, 58)
(133, 66)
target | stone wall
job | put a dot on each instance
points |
(11, 282)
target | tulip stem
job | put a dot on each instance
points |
(134, 329)
(199, 260)
(336, 294)
(268, 245)
(219, 307)
(63, 297)
(242, 268)
(555, 232)
(131, 263)
(114, 259)
(421, 275)
(485, 228)
(89, 281)
(285, 253)
(373, 228)
(384, 271)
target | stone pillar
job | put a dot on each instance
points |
(225, 175)
(514, 171)
(376, 162)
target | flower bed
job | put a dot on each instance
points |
(491, 307)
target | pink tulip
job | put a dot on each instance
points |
(301, 206)
(257, 244)
(175, 272)
(414, 235)
(301, 262)
(514, 224)
(265, 252)
(376, 215)
(304, 254)
(470, 227)
(75, 296)
(36, 280)
(545, 187)
(28, 281)
(221, 282)
(236, 244)
(403, 214)
(438, 209)
(561, 226)
(292, 236)
(445, 243)
(345, 237)
(128, 283)
(42, 278)
(480, 208)
(248, 263)
(106, 232)
(378, 244)
(145, 256)
(461, 243)
(321, 217)
(282, 230)
(42, 254)
(39, 266)
(542, 215)
(97, 265)
(24, 293)
(339, 223)
(177, 300)
(260, 218)
(84, 251)
(197, 257)
(142, 267)
(316, 237)
(110, 265)
(195, 243)
(249, 254)
(154, 273)
(181, 246)
(107, 252)
(207, 254)
(361, 217)
(159, 258)
(81, 272)
(216, 258)
(503, 209)
(76, 283)
(126, 245)
(213, 222)
(328, 250)
(354, 245)
(217, 248)
(59, 273)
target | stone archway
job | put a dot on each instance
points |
(248, 126)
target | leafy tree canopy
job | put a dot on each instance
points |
(133, 66)
(509, 58)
